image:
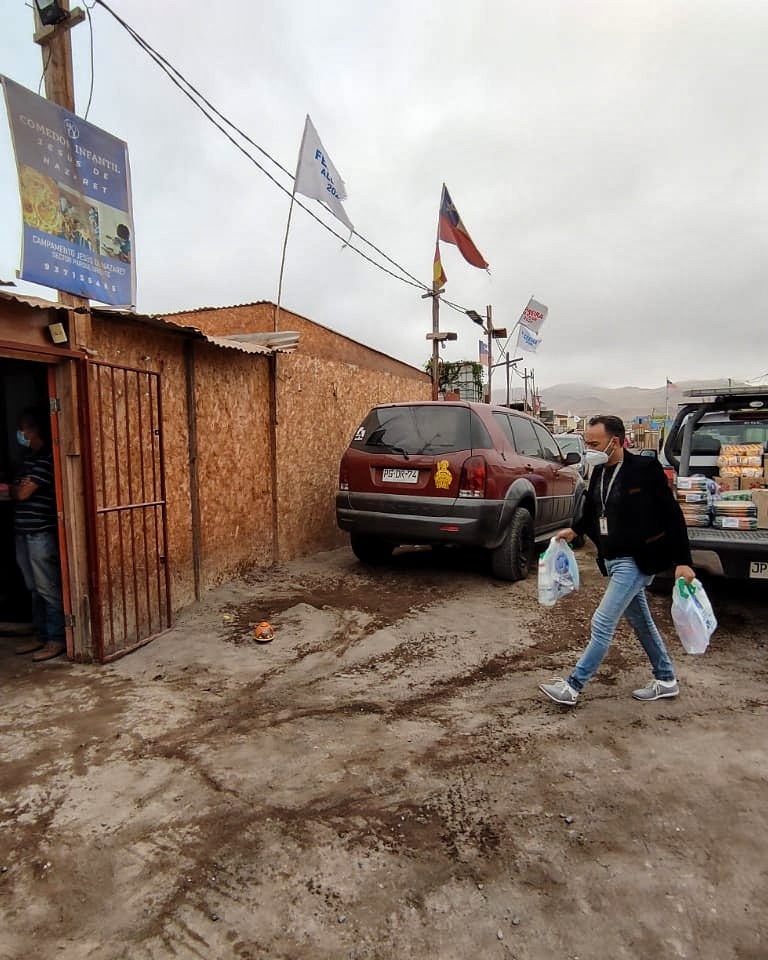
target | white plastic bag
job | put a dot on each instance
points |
(693, 615)
(558, 572)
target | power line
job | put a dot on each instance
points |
(198, 99)
(90, 33)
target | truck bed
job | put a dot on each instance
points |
(742, 553)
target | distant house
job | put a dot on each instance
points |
(187, 449)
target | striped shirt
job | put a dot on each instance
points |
(37, 512)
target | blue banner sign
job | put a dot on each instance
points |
(75, 187)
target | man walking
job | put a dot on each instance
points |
(638, 528)
(37, 544)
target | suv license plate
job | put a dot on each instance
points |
(398, 475)
(759, 569)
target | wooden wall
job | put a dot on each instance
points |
(315, 340)
(234, 461)
(320, 404)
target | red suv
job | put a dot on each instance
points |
(461, 473)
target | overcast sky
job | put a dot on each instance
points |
(607, 156)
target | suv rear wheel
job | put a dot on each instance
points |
(369, 549)
(513, 558)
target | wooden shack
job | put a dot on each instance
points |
(187, 449)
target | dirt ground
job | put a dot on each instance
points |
(384, 780)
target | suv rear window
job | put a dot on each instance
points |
(421, 430)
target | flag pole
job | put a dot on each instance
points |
(512, 331)
(282, 263)
(666, 401)
(436, 318)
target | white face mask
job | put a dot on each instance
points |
(597, 458)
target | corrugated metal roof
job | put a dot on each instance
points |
(37, 302)
(231, 306)
(252, 344)
(276, 339)
(255, 343)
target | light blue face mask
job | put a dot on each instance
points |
(21, 439)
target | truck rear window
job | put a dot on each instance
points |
(421, 430)
(709, 435)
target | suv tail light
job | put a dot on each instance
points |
(473, 474)
(343, 478)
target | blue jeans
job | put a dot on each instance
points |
(37, 555)
(625, 596)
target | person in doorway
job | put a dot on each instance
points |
(638, 528)
(37, 542)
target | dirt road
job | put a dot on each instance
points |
(385, 781)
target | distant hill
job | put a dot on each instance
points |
(587, 400)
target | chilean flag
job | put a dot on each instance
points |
(452, 230)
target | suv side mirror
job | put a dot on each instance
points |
(572, 458)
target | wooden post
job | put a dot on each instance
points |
(56, 48)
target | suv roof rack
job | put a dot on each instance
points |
(761, 391)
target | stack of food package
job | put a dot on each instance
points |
(694, 494)
(741, 466)
(735, 510)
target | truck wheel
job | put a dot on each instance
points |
(513, 558)
(370, 550)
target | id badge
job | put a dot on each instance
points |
(603, 526)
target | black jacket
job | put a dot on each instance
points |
(650, 519)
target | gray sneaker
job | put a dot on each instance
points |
(560, 691)
(657, 689)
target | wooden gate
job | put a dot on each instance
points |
(130, 590)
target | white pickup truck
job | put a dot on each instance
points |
(705, 421)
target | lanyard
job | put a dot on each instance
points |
(605, 497)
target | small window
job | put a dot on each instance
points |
(549, 447)
(502, 422)
(526, 441)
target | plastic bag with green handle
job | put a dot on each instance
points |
(693, 615)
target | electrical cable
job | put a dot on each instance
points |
(194, 95)
(46, 64)
(90, 30)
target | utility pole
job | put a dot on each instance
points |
(56, 48)
(492, 333)
(436, 337)
(509, 363)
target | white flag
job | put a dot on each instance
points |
(527, 340)
(317, 177)
(534, 315)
